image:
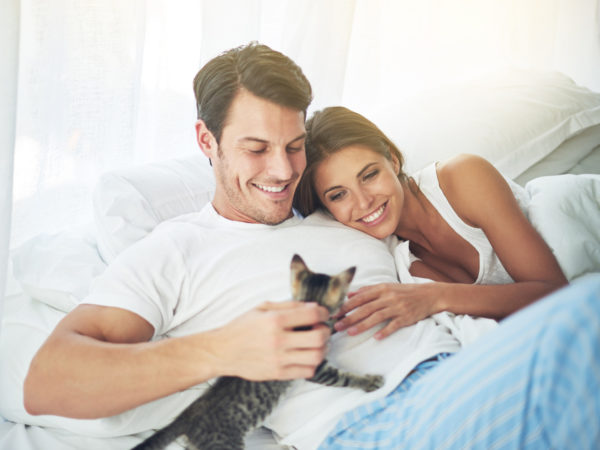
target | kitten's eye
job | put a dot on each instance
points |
(371, 174)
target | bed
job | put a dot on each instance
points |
(539, 128)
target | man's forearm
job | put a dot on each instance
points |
(87, 370)
(81, 377)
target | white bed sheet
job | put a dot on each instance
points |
(17, 436)
(23, 437)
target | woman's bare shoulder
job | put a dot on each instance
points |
(464, 167)
(472, 185)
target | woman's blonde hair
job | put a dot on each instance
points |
(329, 131)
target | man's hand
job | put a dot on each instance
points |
(263, 345)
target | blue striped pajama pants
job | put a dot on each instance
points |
(533, 383)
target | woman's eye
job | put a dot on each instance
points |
(256, 150)
(336, 196)
(294, 149)
(370, 174)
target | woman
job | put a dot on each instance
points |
(461, 218)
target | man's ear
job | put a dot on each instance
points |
(206, 140)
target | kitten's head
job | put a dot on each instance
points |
(327, 290)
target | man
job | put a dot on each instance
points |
(252, 103)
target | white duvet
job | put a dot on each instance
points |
(565, 209)
(54, 273)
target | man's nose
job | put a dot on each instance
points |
(279, 165)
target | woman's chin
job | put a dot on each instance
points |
(379, 231)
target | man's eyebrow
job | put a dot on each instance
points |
(252, 139)
(358, 175)
(264, 141)
(302, 136)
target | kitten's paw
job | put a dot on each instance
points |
(372, 383)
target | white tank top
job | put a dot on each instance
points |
(491, 270)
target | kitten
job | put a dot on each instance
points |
(222, 416)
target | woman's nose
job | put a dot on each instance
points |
(365, 199)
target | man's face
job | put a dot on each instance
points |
(259, 161)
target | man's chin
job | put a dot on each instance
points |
(275, 217)
(276, 220)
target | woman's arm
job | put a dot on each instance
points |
(98, 361)
(483, 199)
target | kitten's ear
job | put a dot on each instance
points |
(297, 264)
(297, 267)
(339, 286)
(347, 275)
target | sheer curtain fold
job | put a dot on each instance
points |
(108, 84)
(9, 45)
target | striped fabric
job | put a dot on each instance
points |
(533, 383)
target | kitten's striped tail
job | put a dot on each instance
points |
(162, 438)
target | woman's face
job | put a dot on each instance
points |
(361, 189)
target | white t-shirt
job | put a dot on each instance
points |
(199, 271)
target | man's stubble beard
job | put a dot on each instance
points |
(236, 199)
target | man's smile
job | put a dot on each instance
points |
(274, 189)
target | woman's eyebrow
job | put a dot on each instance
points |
(364, 169)
(331, 189)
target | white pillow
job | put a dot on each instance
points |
(566, 157)
(513, 119)
(57, 269)
(129, 203)
(565, 209)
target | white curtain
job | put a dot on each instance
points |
(104, 84)
(107, 83)
(9, 42)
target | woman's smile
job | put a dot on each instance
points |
(375, 217)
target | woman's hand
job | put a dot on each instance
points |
(401, 304)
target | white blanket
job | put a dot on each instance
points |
(565, 210)
(465, 328)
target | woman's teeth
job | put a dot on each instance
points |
(371, 217)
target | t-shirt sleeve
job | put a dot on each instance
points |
(146, 279)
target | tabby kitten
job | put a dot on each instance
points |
(222, 416)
